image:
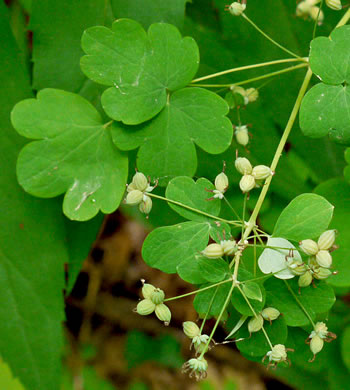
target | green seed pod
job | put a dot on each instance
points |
(316, 344)
(252, 94)
(163, 313)
(134, 197)
(147, 290)
(247, 183)
(221, 182)
(213, 251)
(145, 307)
(334, 4)
(157, 296)
(321, 329)
(243, 166)
(199, 342)
(242, 136)
(326, 239)
(270, 313)
(312, 261)
(305, 279)
(229, 247)
(309, 247)
(236, 8)
(278, 353)
(146, 205)
(131, 187)
(261, 172)
(298, 267)
(317, 14)
(255, 324)
(140, 181)
(324, 259)
(191, 329)
(321, 273)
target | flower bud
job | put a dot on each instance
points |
(321, 329)
(321, 273)
(252, 94)
(278, 353)
(326, 239)
(255, 324)
(316, 344)
(270, 313)
(200, 342)
(157, 296)
(221, 182)
(315, 13)
(309, 247)
(334, 4)
(146, 205)
(305, 279)
(134, 197)
(140, 181)
(145, 307)
(147, 290)
(247, 183)
(163, 313)
(242, 136)
(191, 329)
(213, 251)
(243, 166)
(236, 8)
(324, 259)
(229, 247)
(261, 172)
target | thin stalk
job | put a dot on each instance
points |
(269, 38)
(234, 223)
(246, 67)
(316, 21)
(273, 247)
(207, 313)
(254, 256)
(232, 209)
(300, 304)
(197, 291)
(244, 209)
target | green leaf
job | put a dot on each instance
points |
(315, 300)
(151, 11)
(193, 194)
(166, 247)
(191, 116)
(253, 291)
(345, 347)
(57, 28)
(75, 154)
(338, 192)
(7, 381)
(211, 300)
(306, 216)
(325, 108)
(139, 67)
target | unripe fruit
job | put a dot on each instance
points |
(163, 313)
(255, 324)
(316, 344)
(191, 329)
(229, 247)
(221, 182)
(140, 181)
(131, 187)
(298, 267)
(242, 136)
(278, 353)
(324, 259)
(315, 13)
(321, 329)
(305, 279)
(146, 205)
(321, 273)
(261, 172)
(309, 247)
(147, 290)
(157, 296)
(145, 307)
(243, 166)
(252, 94)
(326, 239)
(199, 342)
(236, 8)
(247, 183)
(213, 251)
(334, 4)
(270, 313)
(134, 197)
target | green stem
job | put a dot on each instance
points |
(232, 209)
(299, 303)
(316, 21)
(218, 319)
(207, 313)
(246, 67)
(197, 291)
(269, 38)
(248, 81)
(244, 209)
(273, 247)
(234, 223)
(107, 124)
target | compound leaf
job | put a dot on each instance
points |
(306, 216)
(191, 116)
(75, 154)
(139, 67)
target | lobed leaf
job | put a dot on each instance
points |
(75, 154)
